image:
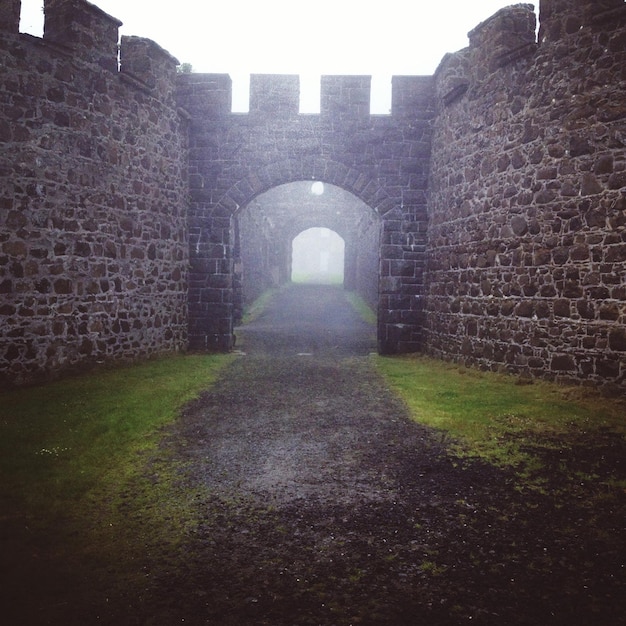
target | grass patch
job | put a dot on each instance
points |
(361, 307)
(257, 307)
(80, 482)
(317, 279)
(491, 415)
(64, 438)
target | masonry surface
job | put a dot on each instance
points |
(484, 218)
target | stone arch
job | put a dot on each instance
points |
(216, 291)
(382, 160)
(318, 256)
(361, 184)
(265, 228)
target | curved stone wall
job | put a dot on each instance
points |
(527, 209)
(93, 198)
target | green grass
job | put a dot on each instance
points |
(361, 307)
(86, 488)
(493, 416)
(254, 309)
(318, 279)
(64, 439)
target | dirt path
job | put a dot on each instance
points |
(318, 502)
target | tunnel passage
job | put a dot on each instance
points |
(267, 227)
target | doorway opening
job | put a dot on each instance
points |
(318, 257)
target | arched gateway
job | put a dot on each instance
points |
(382, 160)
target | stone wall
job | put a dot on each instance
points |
(234, 158)
(527, 210)
(93, 196)
(494, 195)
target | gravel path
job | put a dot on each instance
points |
(319, 502)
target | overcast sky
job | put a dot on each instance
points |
(238, 37)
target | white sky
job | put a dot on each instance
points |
(239, 37)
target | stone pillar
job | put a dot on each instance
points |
(10, 15)
(211, 284)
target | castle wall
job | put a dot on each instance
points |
(527, 210)
(382, 160)
(93, 198)
(495, 195)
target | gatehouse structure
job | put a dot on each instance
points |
(484, 218)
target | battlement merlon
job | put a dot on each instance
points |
(144, 60)
(506, 35)
(207, 96)
(84, 27)
(210, 95)
(10, 15)
(345, 96)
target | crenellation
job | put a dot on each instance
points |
(147, 62)
(345, 96)
(205, 95)
(276, 94)
(504, 37)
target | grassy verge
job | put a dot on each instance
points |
(493, 417)
(80, 482)
(64, 438)
(321, 279)
(361, 307)
(252, 311)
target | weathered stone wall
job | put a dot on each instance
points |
(382, 160)
(122, 191)
(527, 211)
(93, 197)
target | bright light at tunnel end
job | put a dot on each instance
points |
(317, 188)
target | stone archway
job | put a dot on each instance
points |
(267, 226)
(234, 158)
(318, 257)
(216, 290)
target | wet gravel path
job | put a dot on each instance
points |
(319, 502)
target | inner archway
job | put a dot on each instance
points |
(318, 257)
(347, 231)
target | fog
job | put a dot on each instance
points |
(318, 257)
